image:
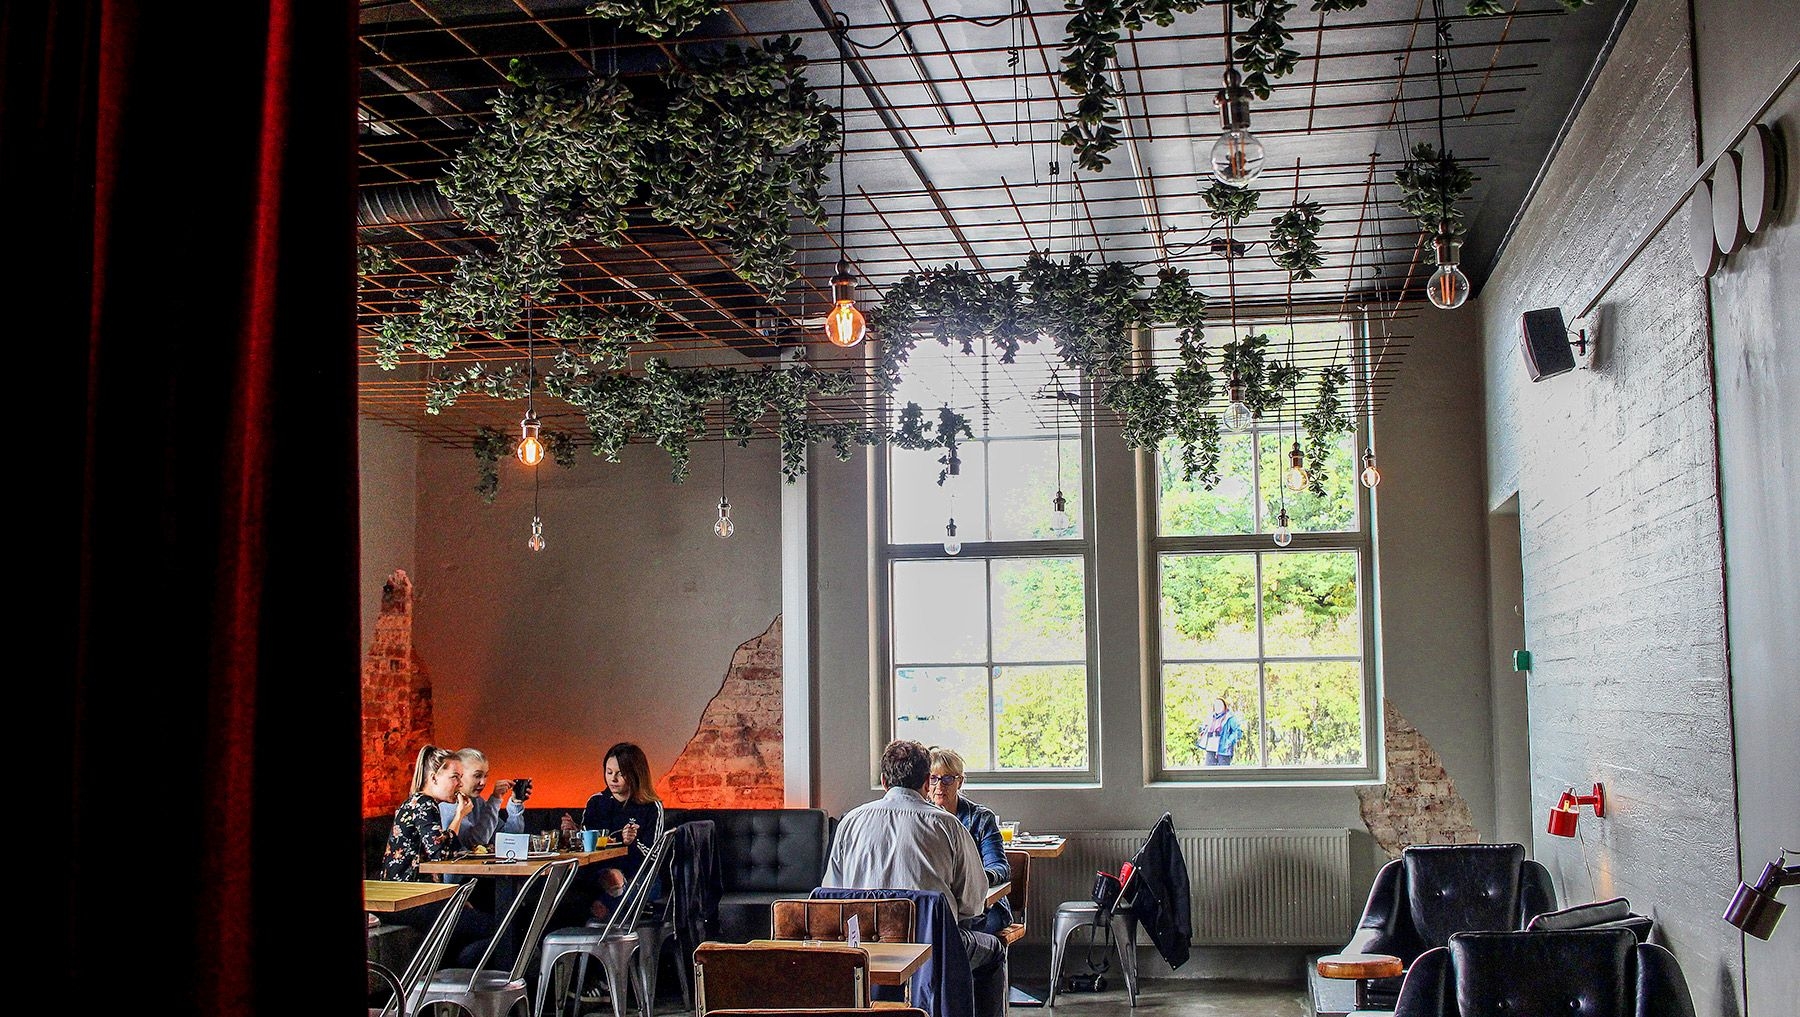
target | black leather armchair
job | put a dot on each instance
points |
(1430, 893)
(1583, 973)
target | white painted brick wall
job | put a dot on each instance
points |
(1619, 513)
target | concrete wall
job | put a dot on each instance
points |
(621, 630)
(1432, 557)
(1509, 713)
(389, 479)
(1616, 472)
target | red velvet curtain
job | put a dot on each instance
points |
(183, 293)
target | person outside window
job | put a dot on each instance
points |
(1220, 733)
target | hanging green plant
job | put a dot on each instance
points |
(598, 339)
(1265, 382)
(1431, 183)
(1323, 423)
(1338, 6)
(657, 18)
(1142, 402)
(373, 260)
(1087, 311)
(1262, 48)
(490, 447)
(1176, 302)
(1228, 204)
(509, 382)
(561, 448)
(1090, 45)
(741, 141)
(1195, 430)
(1294, 240)
(1493, 8)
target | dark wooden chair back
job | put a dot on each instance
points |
(1019, 898)
(749, 976)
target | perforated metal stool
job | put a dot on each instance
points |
(1077, 914)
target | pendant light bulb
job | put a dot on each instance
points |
(1284, 534)
(724, 527)
(531, 447)
(536, 543)
(844, 324)
(1059, 513)
(1447, 288)
(1295, 476)
(1370, 475)
(1238, 415)
(952, 542)
(1237, 157)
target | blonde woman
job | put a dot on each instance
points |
(419, 834)
(944, 789)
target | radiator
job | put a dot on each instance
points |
(1248, 887)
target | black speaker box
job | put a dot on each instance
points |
(1544, 340)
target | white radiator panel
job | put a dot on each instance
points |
(1248, 887)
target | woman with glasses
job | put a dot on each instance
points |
(944, 789)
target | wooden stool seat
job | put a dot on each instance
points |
(1361, 965)
(1012, 933)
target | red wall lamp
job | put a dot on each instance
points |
(1567, 811)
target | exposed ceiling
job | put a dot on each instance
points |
(951, 133)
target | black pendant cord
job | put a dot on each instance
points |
(722, 443)
(530, 360)
(1230, 63)
(843, 136)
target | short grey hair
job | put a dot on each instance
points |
(948, 760)
(472, 756)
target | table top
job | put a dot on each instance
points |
(889, 963)
(1361, 965)
(384, 896)
(998, 892)
(1043, 845)
(478, 865)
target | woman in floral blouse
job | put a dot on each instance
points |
(417, 835)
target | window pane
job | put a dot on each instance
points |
(944, 706)
(940, 612)
(1307, 512)
(1188, 694)
(1040, 609)
(919, 507)
(1309, 604)
(1315, 713)
(1041, 716)
(1187, 509)
(1022, 483)
(1208, 605)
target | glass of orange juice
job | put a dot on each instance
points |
(1007, 832)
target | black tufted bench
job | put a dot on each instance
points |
(764, 855)
(1582, 973)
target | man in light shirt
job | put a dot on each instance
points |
(901, 841)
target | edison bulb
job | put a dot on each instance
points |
(1237, 157)
(1284, 535)
(1370, 475)
(845, 325)
(536, 543)
(531, 447)
(724, 527)
(1295, 476)
(1239, 416)
(952, 542)
(1447, 288)
(1059, 513)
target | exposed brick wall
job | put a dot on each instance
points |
(1616, 471)
(396, 701)
(1419, 805)
(734, 758)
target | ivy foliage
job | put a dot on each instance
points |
(1262, 48)
(1323, 423)
(491, 446)
(1090, 45)
(1491, 8)
(728, 145)
(657, 18)
(740, 138)
(1266, 383)
(1294, 240)
(1431, 183)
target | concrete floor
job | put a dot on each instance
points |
(1182, 997)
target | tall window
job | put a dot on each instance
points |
(1263, 652)
(988, 650)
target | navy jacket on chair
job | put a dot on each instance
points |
(944, 986)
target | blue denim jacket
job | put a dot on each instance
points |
(984, 826)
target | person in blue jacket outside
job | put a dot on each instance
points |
(1219, 733)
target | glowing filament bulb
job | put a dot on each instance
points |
(531, 447)
(536, 543)
(724, 527)
(1295, 476)
(1370, 475)
(844, 324)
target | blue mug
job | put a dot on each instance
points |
(590, 839)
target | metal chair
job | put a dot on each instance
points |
(489, 992)
(425, 960)
(656, 930)
(732, 976)
(616, 944)
(1078, 914)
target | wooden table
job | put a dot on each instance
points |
(998, 892)
(385, 896)
(1361, 966)
(1051, 848)
(889, 963)
(477, 865)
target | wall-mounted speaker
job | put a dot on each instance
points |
(1544, 340)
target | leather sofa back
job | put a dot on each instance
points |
(766, 850)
